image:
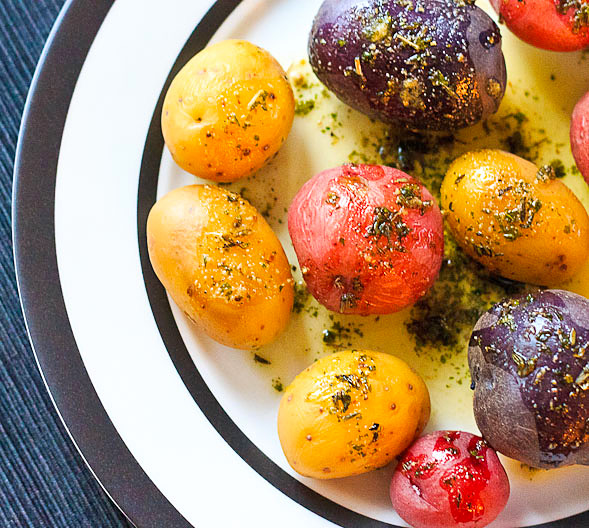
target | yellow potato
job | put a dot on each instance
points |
(516, 220)
(222, 264)
(350, 413)
(228, 111)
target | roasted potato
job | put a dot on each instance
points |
(424, 64)
(228, 111)
(222, 264)
(529, 363)
(448, 479)
(351, 412)
(369, 238)
(557, 25)
(515, 219)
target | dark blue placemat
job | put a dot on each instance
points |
(43, 480)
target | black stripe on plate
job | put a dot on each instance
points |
(45, 313)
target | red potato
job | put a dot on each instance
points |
(448, 479)
(580, 135)
(369, 239)
(557, 25)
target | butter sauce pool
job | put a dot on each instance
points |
(533, 122)
(433, 334)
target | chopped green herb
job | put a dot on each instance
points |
(302, 108)
(559, 168)
(260, 359)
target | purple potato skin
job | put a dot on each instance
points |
(529, 362)
(420, 64)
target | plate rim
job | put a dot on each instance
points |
(144, 505)
(47, 324)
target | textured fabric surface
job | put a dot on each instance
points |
(43, 480)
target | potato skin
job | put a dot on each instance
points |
(228, 111)
(580, 135)
(425, 64)
(528, 362)
(448, 479)
(369, 239)
(351, 412)
(514, 219)
(221, 263)
(541, 24)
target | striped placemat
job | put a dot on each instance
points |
(43, 480)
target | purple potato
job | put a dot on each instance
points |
(421, 64)
(529, 362)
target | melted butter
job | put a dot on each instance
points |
(533, 121)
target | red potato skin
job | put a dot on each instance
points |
(538, 23)
(351, 267)
(580, 135)
(449, 479)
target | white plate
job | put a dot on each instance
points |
(179, 430)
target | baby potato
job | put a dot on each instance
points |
(369, 238)
(221, 263)
(557, 25)
(419, 64)
(228, 111)
(515, 219)
(351, 412)
(530, 374)
(448, 479)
